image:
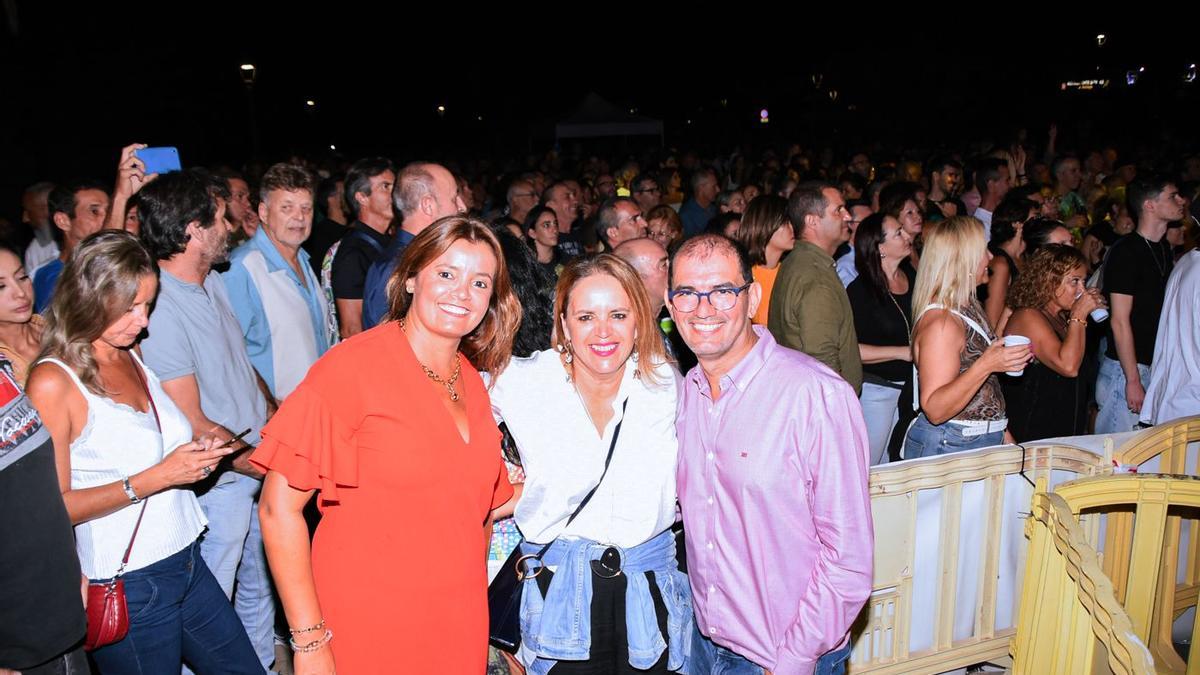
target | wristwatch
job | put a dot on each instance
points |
(129, 491)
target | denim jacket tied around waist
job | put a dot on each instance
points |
(559, 626)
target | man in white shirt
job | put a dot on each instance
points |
(35, 212)
(992, 180)
(1174, 390)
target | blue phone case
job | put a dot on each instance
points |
(159, 160)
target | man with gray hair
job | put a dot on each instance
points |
(700, 207)
(424, 192)
(618, 221)
(521, 198)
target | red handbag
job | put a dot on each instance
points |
(107, 613)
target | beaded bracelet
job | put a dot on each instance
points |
(312, 646)
(297, 631)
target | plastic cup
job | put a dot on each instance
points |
(1014, 341)
(1099, 314)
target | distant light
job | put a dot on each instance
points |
(1084, 85)
(1101, 39)
(633, 111)
(247, 66)
(479, 117)
(833, 94)
(1131, 77)
(441, 108)
(310, 103)
(1190, 75)
(1142, 69)
(689, 121)
(332, 147)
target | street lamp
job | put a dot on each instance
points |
(248, 72)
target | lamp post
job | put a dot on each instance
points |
(249, 73)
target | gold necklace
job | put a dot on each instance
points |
(448, 384)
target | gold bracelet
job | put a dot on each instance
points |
(1081, 322)
(312, 646)
(297, 631)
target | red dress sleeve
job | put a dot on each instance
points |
(310, 445)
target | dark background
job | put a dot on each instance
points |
(80, 82)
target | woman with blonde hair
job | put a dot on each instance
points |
(956, 356)
(126, 461)
(593, 421)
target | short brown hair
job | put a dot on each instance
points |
(649, 344)
(1043, 272)
(286, 177)
(489, 346)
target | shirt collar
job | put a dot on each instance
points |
(169, 279)
(815, 250)
(274, 258)
(742, 374)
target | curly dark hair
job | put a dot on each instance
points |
(170, 202)
(1043, 272)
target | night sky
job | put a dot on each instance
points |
(80, 83)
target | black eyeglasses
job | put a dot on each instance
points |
(721, 299)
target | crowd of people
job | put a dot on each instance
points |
(652, 389)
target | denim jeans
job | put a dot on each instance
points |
(880, 412)
(1114, 416)
(925, 439)
(709, 658)
(177, 612)
(233, 550)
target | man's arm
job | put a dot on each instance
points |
(1122, 328)
(349, 314)
(835, 453)
(131, 177)
(185, 392)
(817, 332)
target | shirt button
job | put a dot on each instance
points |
(712, 630)
(711, 588)
(710, 455)
(710, 501)
(710, 545)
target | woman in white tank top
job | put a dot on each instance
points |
(125, 457)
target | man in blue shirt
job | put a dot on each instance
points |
(424, 192)
(272, 287)
(700, 207)
(78, 209)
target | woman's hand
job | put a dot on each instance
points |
(1000, 359)
(187, 463)
(319, 662)
(1087, 301)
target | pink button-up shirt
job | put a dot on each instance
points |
(772, 481)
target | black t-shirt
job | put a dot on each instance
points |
(354, 257)
(879, 323)
(1139, 267)
(325, 233)
(41, 611)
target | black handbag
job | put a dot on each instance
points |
(504, 593)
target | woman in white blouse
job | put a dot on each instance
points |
(607, 376)
(123, 452)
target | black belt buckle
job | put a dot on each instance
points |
(609, 564)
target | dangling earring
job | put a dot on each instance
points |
(634, 355)
(570, 357)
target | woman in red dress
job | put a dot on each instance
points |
(394, 429)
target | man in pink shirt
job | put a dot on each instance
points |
(772, 481)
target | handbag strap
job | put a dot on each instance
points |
(137, 368)
(588, 497)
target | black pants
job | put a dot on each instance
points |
(74, 662)
(610, 642)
